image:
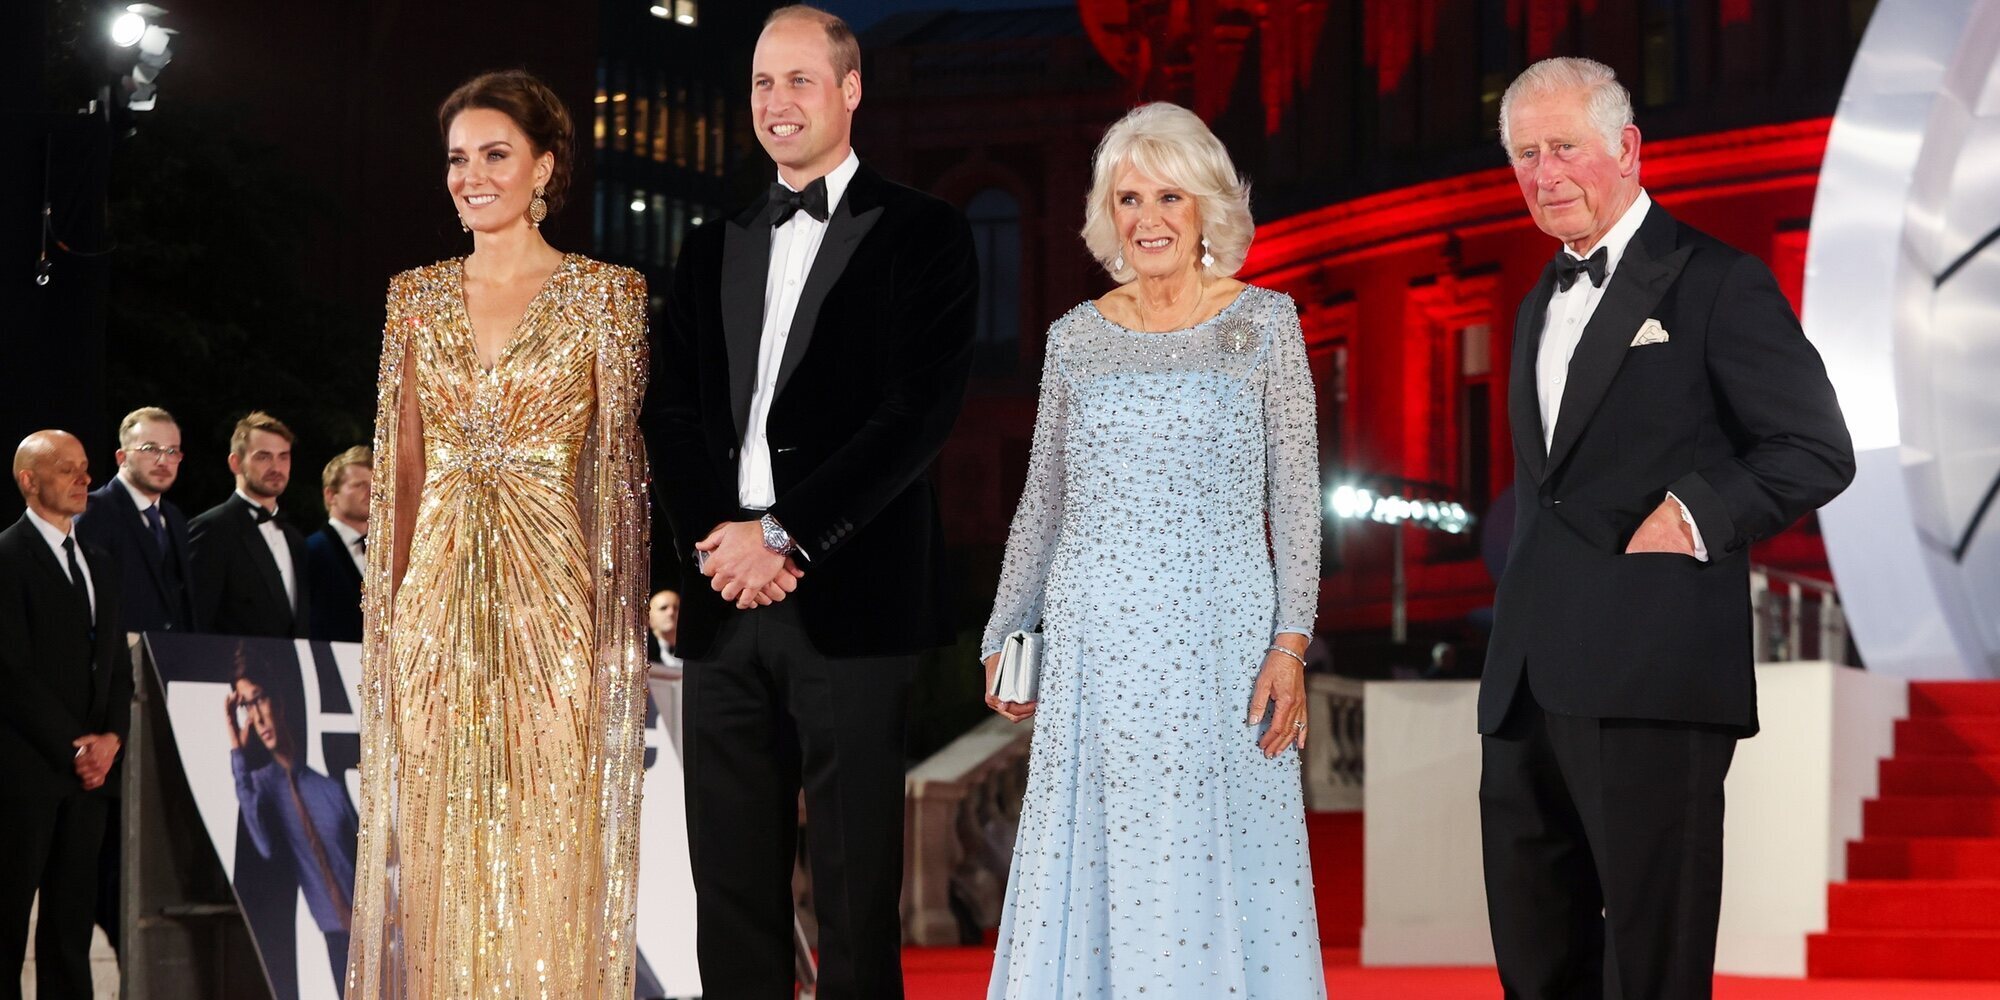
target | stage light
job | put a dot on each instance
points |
(127, 29)
(136, 29)
(638, 204)
(1355, 503)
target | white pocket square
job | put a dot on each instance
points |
(1650, 332)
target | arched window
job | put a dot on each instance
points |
(996, 232)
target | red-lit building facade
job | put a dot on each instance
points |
(1368, 130)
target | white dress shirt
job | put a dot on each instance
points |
(794, 246)
(352, 539)
(55, 537)
(274, 539)
(1569, 312)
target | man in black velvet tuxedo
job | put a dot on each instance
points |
(131, 520)
(338, 553)
(65, 702)
(1667, 411)
(250, 566)
(816, 351)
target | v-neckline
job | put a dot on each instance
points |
(513, 335)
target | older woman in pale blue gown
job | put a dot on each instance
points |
(1167, 542)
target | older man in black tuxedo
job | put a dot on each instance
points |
(815, 355)
(250, 565)
(65, 701)
(1667, 412)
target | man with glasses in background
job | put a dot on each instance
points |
(130, 518)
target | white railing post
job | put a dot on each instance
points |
(1334, 768)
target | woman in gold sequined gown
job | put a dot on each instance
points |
(502, 692)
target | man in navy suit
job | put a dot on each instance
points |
(338, 553)
(68, 699)
(131, 519)
(146, 535)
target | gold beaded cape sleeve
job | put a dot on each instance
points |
(503, 666)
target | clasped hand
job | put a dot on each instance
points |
(742, 570)
(96, 752)
(1012, 711)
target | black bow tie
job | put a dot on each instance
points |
(786, 202)
(262, 514)
(1568, 267)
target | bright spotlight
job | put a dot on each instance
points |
(638, 204)
(1357, 503)
(136, 29)
(661, 12)
(127, 29)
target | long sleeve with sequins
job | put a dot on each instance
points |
(1291, 470)
(1031, 541)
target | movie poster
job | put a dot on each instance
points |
(268, 736)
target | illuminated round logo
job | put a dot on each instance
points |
(1902, 297)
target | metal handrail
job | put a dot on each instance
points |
(1796, 617)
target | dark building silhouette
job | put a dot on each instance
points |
(669, 126)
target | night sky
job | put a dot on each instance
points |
(863, 13)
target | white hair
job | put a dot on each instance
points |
(1606, 102)
(1172, 146)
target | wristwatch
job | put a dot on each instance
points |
(776, 538)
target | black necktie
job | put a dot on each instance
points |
(786, 202)
(76, 580)
(1568, 267)
(361, 543)
(158, 525)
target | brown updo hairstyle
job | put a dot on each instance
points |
(535, 109)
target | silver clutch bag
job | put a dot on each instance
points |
(1020, 672)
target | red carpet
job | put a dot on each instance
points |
(1335, 842)
(960, 973)
(1923, 892)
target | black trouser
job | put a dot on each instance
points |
(110, 861)
(1603, 850)
(765, 714)
(51, 845)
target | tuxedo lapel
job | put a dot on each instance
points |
(850, 221)
(746, 263)
(260, 555)
(55, 573)
(102, 573)
(351, 571)
(295, 543)
(1636, 287)
(1524, 409)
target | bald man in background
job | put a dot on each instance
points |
(65, 701)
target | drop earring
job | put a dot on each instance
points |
(1207, 259)
(1118, 262)
(462, 227)
(537, 210)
